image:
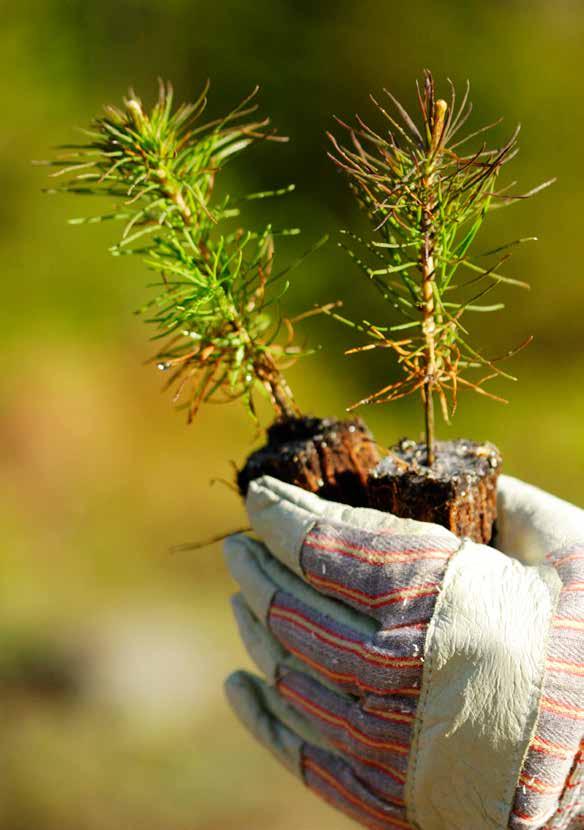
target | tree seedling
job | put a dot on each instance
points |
(215, 312)
(427, 195)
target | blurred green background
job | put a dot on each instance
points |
(113, 651)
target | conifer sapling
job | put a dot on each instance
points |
(426, 195)
(218, 293)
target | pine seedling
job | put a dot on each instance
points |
(427, 197)
(216, 310)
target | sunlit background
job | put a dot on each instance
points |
(113, 650)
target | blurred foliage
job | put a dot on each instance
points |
(100, 478)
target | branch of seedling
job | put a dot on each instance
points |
(426, 202)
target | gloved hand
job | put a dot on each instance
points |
(414, 679)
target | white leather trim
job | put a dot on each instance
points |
(532, 524)
(483, 674)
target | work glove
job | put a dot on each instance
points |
(413, 679)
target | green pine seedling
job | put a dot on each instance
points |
(427, 197)
(216, 310)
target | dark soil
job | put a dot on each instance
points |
(458, 492)
(330, 457)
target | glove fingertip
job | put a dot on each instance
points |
(262, 647)
(243, 693)
(244, 557)
(234, 686)
(266, 491)
(280, 514)
(234, 544)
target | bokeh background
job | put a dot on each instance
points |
(113, 650)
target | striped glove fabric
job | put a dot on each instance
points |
(414, 680)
